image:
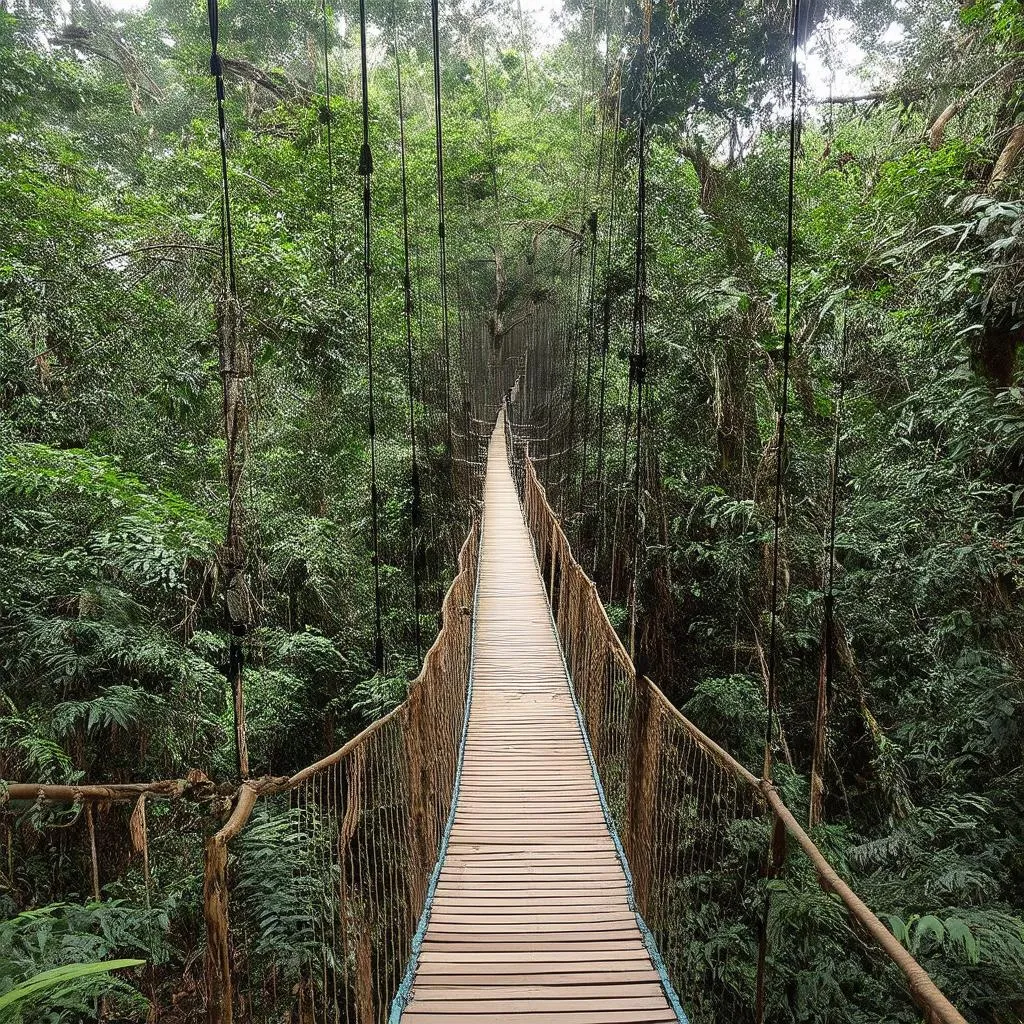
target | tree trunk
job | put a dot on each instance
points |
(1008, 157)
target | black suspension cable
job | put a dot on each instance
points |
(227, 239)
(638, 352)
(550, 360)
(787, 345)
(597, 157)
(587, 226)
(419, 320)
(604, 93)
(435, 36)
(328, 117)
(490, 145)
(591, 318)
(499, 257)
(366, 171)
(573, 338)
(641, 130)
(606, 335)
(830, 553)
(410, 370)
(593, 269)
(229, 317)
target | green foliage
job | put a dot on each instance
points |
(59, 989)
(56, 962)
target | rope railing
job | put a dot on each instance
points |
(313, 887)
(704, 838)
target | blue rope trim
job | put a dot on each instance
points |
(620, 853)
(404, 993)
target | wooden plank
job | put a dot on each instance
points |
(524, 903)
(637, 993)
(542, 930)
(490, 957)
(418, 1016)
(506, 916)
(580, 975)
(575, 943)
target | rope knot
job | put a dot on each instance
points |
(365, 160)
(638, 366)
(216, 65)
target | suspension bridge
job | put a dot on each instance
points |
(535, 836)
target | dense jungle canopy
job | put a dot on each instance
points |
(123, 577)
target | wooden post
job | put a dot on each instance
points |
(776, 858)
(217, 961)
(217, 964)
(641, 783)
(596, 678)
(554, 561)
(93, 859)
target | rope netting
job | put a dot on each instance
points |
(492, 356)
(741, 904)
(315, 885)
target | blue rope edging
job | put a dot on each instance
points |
(402, 996)
(620, 853)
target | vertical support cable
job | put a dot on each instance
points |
(410, 373)
(494, 174)
(602, 486)
(328, 117)
(435, 36)
(591, 318)
(596, 156)
(573, 336)
(638, 353)
(366, 171)
(234, 366)
(787, 345)
(227, 241)
(827, 667)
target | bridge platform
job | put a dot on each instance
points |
(530, 922)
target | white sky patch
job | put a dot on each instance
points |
(833, 63)
(543, 15)
(894, 34)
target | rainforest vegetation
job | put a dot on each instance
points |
(119, 572)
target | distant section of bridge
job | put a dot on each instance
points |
(531, 918)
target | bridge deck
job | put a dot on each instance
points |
(530, 921)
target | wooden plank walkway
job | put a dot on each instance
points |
(530, 922)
